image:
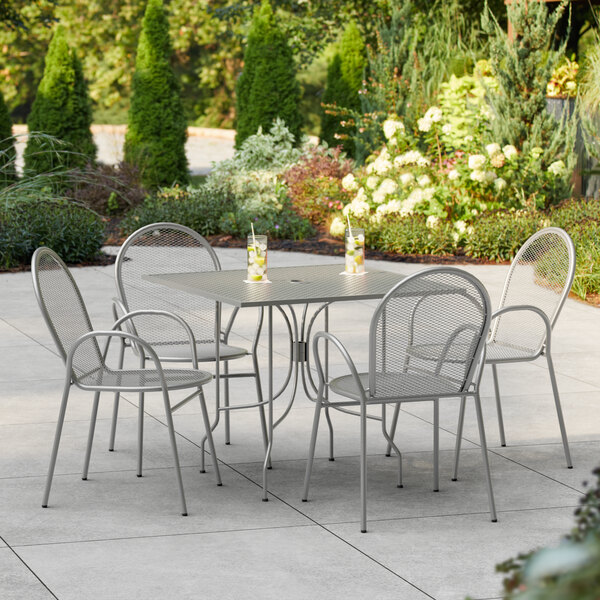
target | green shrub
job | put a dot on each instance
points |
(61, 109)
(156, 128)
(74, 232)
(7, 146)
(498, 235)
(193, 207)
(410, 235)
(267, 87)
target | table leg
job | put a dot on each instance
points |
(270, 392)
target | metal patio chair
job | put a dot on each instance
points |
(442, 308)
(78, 344)
(535, 290)
(172, 248)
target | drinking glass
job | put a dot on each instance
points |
(355, 251)
(257, 258)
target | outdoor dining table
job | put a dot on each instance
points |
(287, 287)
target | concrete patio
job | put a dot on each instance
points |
(117, 536)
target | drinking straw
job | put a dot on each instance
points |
(253, 238)
(350, 236)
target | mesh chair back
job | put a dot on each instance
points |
(166, 248)
(64, 311)
(427, 335)
(541, 275)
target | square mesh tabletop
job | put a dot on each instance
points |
(289, 285)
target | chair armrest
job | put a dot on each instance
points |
(133, 339)
(159, 313)
(345, 354)
(525, 307)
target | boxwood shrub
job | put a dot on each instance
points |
(73, 231)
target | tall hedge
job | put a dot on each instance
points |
(341, 98)
(267, 87)
(156, 127)
(62, 109)
(7, 146)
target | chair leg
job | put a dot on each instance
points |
(363, 468)
(459, 432)
(498, 405)
(436, 445)
(140, 433)
(226, 402)
(313, 442)
(113, 425)
(559, 413)
(88, 450)
(57, 434)
(484, 453)
(169, 417)
(388, 451)
(211, 444)
(330, 427)
(390, 442)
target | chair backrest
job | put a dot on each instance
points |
(541, 275)
(64, 311)
(432, 327)
(166, 248)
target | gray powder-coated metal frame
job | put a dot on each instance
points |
(288, 286)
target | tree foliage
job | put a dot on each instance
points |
(157, 128)
(267, 87)
(61, 109)
(341, 95)
(14, 13)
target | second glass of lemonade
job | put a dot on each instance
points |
(257, 258)
(355, 251)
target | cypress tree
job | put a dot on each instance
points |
(156, 128)
(62, 109)
(7, 146)
(267, 87)
(341, 98)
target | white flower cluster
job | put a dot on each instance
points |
(433, 115)
(387, 187)
(412, 157)
(337, 227)
(349, 183)
(391, 127)
(381, 164)
(557, 168)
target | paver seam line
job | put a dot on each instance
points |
(28, 336)
(28, 568)
(559, 372)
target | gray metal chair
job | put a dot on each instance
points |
(167, 248)
(441, 307)
(535, 290)
(67, 318)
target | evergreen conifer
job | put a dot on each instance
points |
(61, 109)
(341, 99)
(523, 66)
(157, 128)
(7, 146)
(267, 87)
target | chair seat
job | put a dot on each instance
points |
(498, 352)
(180, 352)
(146, 380)
(456, 353)
(406, 386)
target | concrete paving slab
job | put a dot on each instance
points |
(292, 563)
(17, 581)
(453, 557)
